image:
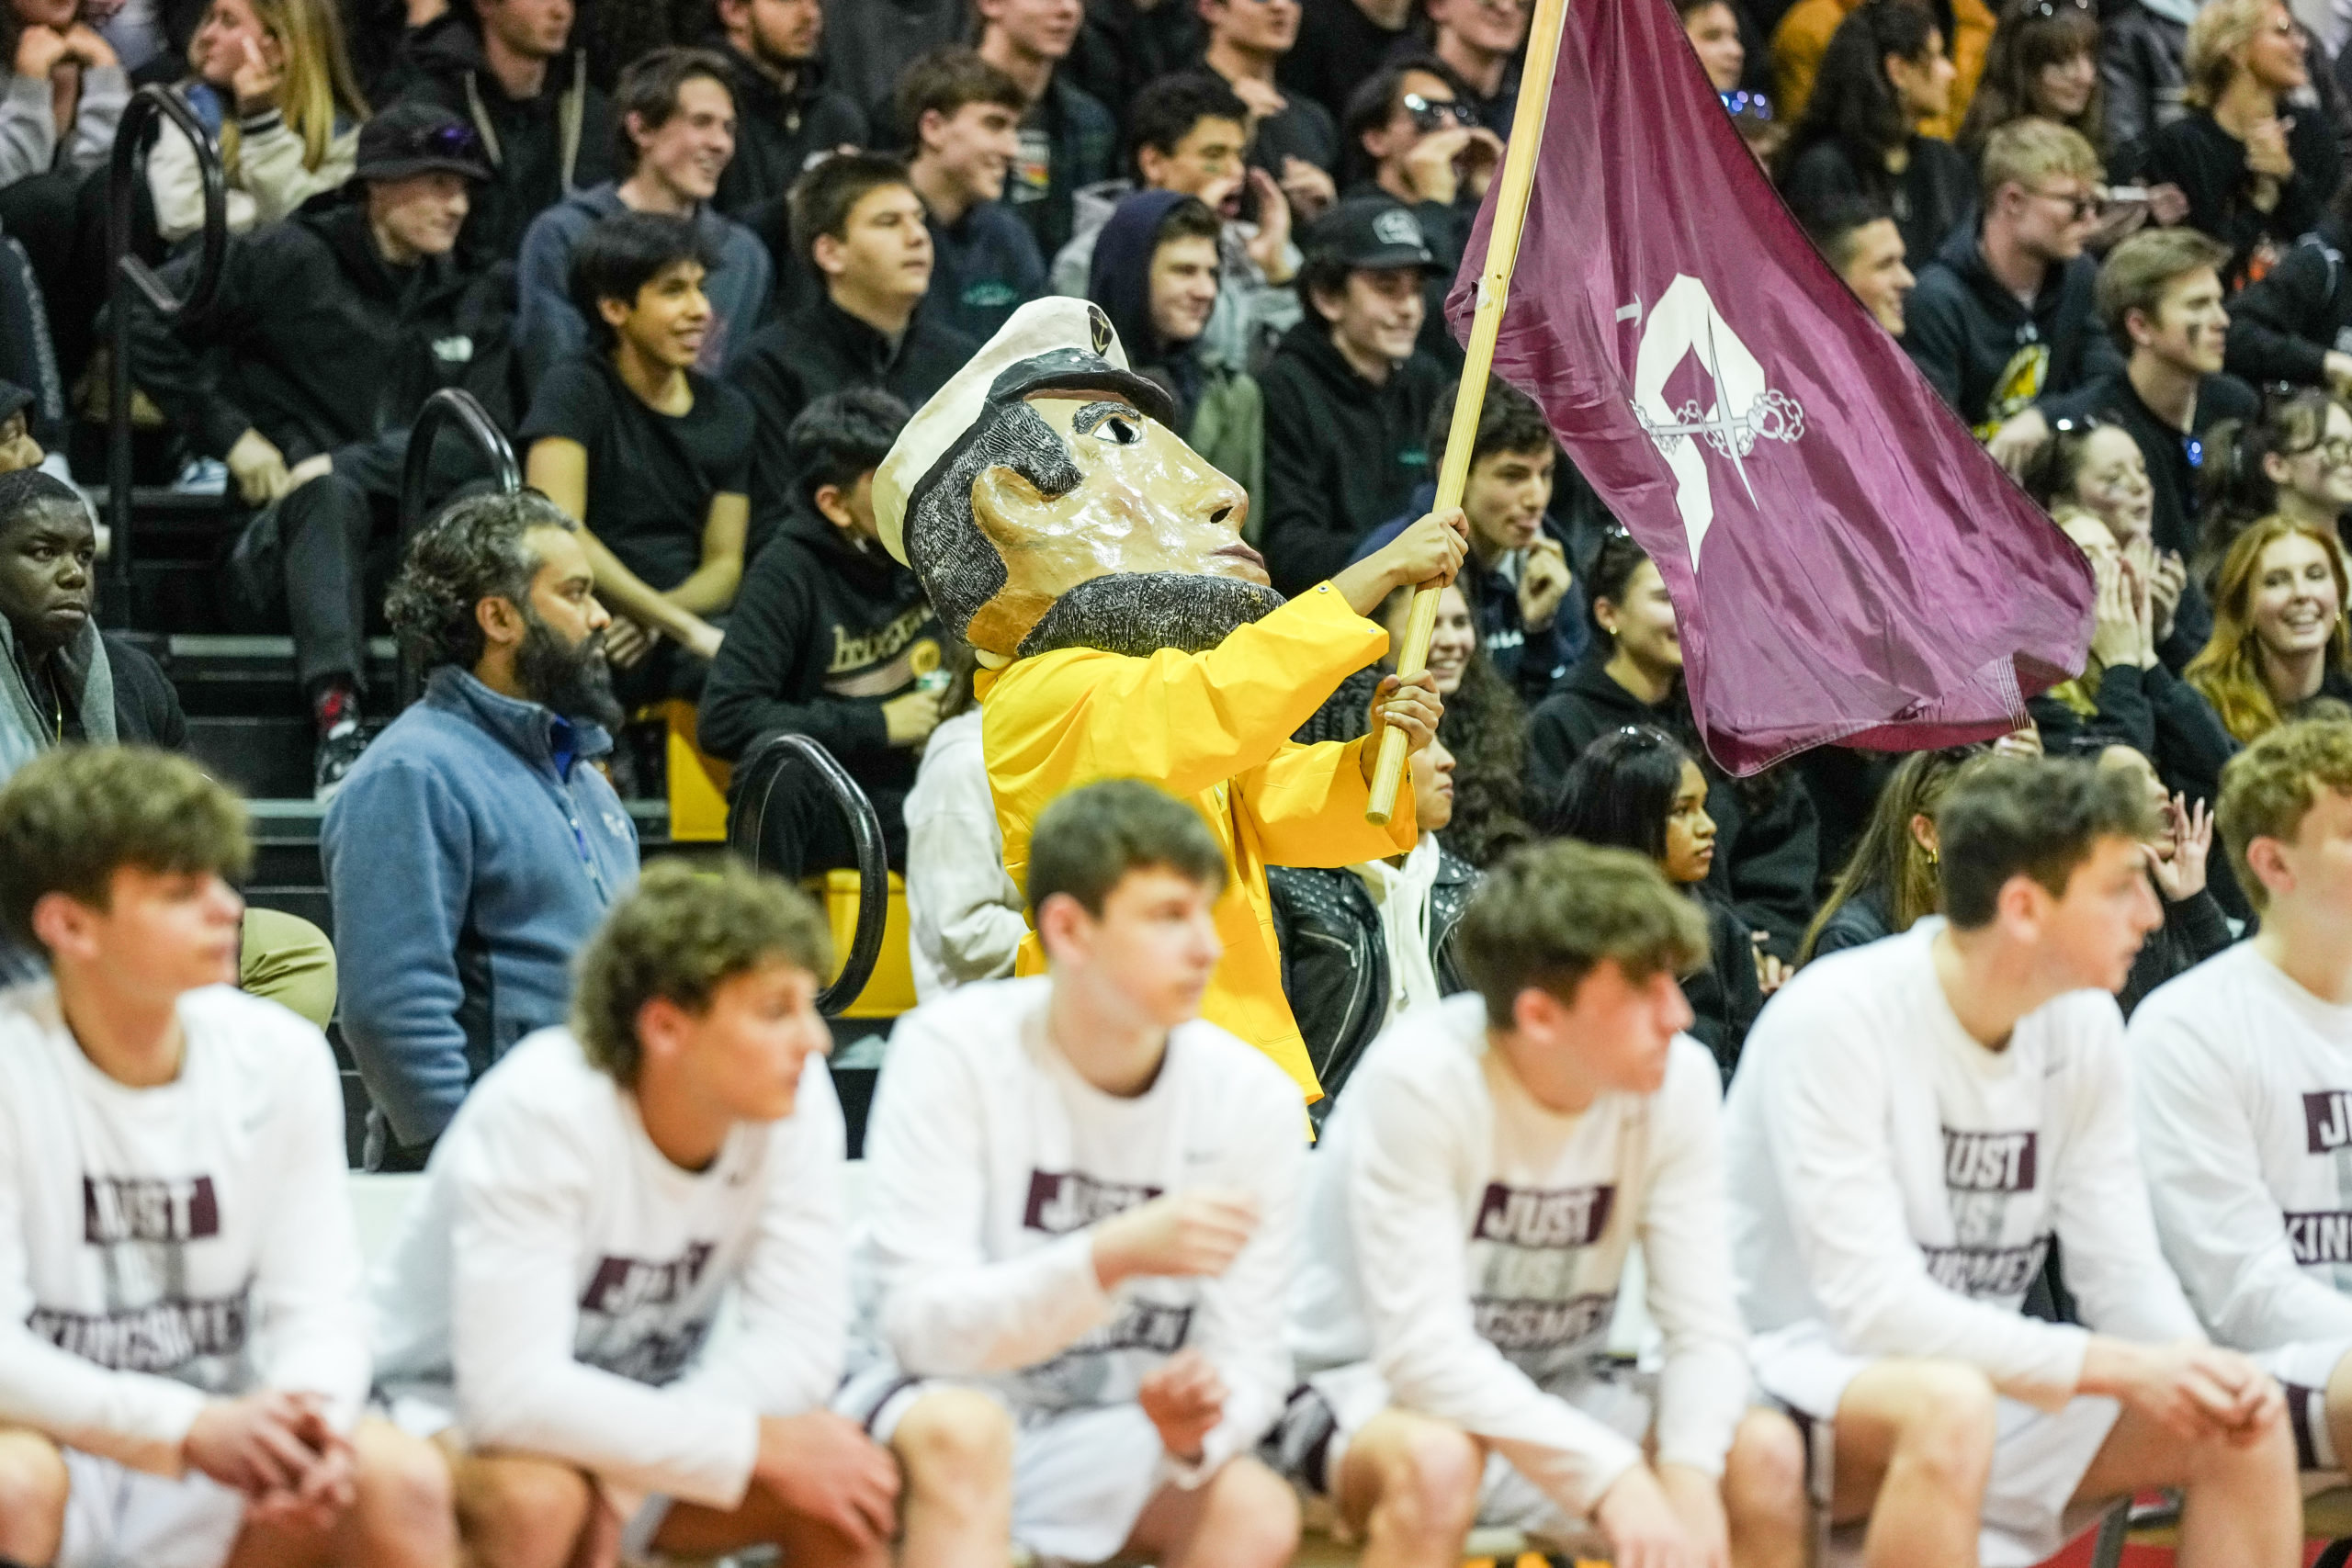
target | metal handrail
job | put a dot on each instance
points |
(126, 272)
(449, 406)
(746, 821)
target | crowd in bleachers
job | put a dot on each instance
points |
(699, 263)
(702, 264)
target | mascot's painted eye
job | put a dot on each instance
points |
(1115, 423)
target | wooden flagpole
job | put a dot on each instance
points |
(1518, 176)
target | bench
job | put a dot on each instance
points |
(379, 1202)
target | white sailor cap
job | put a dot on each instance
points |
(1046, 346)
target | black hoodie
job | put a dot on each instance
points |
(821, 348)
(2284, 327)
(1342, 456)
(314, 339)
(1987, 352)
(822, 633)
(778, 129)
(1768, 840)
(1119, 279)
(543, 148)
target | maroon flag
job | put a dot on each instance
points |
(1846, 563)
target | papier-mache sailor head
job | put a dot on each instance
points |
(1044, 502)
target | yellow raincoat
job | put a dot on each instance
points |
(1215, 726)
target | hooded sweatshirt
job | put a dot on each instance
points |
(543, 148)
(778, 129)
(1219, 412)
(548, 326)
(823, 633)
(1251, 313)
(317, 342)
(1987, 352)
(985, 265)
(1342, 456)
(1768, 840)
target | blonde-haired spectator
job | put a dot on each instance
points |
(2257, 170)
(272, 81)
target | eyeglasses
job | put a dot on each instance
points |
(2337, 453)
(1434, 114)
(2079, 207)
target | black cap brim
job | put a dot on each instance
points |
(1392, 258)
(401, 168)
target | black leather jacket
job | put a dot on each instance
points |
(1335, 960)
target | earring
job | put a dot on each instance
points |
(1932, 860)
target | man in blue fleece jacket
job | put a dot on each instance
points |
(475, 846)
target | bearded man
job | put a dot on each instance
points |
(475, 846)
(1097, 566)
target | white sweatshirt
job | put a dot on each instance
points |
(270, 181)
(989, 1161)
(965, 914)
(1897, 1182)
(161, 1246)
(564, 1276)
(2245, 1092)
(1469, 1242)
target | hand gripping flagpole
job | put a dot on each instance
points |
(1478, 358)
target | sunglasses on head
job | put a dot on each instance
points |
(454, 141)
(1436, 114)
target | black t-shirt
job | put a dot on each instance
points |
(651, 475)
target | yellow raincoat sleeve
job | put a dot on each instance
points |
(1187, 722)
(1309, 803)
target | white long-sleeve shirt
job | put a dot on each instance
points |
(989, 1163)
(1897, 1182)
(563, 1277)
(162, 1247)
(2243, 1082)
(1469, 1242)
(965, 913)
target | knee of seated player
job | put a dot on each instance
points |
(1429, 1474)
(1764, 1474)
(1936, 1418)
(2218, 1459)
(1249, 1518)
(33, 1487)
(518, 1511)
(1947, 1417)
(957, 1443)
(405, 1488)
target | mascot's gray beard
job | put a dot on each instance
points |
(1139, 613)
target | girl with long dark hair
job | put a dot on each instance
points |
(1884, 76)
(1768, 838)
(1636, 789)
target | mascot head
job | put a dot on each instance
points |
(1044, 502)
